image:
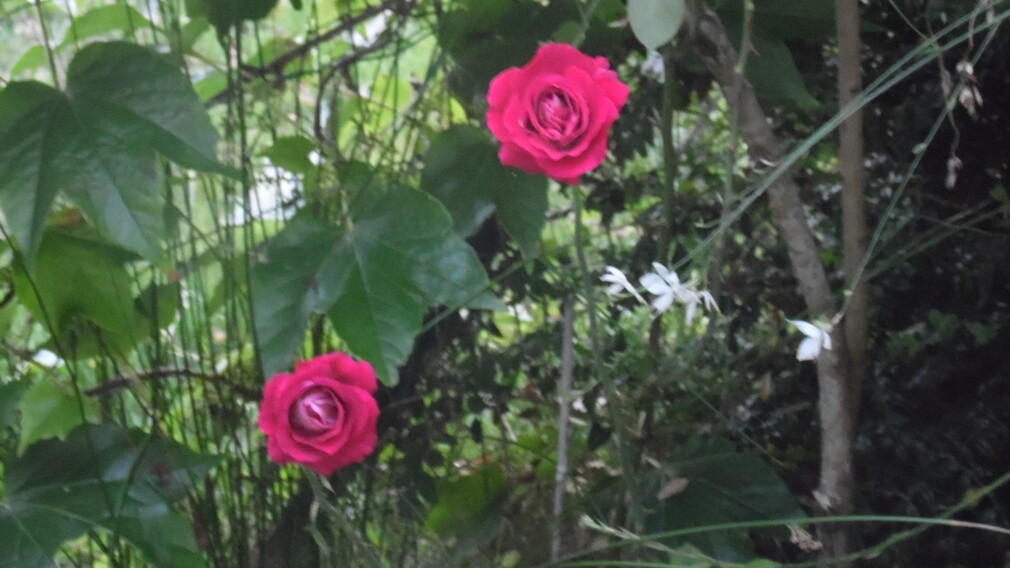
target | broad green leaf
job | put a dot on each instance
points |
(226, 13)
(76, 279)
(723, 486)
(462, 170)
(51, 410)
(131, 91)
(774, 75)
(655, 22)
(38, 142)
(101, 476)
(291, 153)
(375, 279)
(98, 143)
(102, 20)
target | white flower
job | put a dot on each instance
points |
(818, 336)
(664, 285)
(667, 287)
(618, 281)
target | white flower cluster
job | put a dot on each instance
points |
(667, 289)
(665, 286)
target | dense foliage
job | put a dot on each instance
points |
(197, 194)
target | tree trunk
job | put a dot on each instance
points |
(850, 159)
(835, 403)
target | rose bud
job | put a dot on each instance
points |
(553, 116)
(323, 415)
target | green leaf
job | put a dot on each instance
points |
(794, 19)
(723, 486)
(375, 280)
(102, 20)
(470, 508)
(49, 410)
(462, 170)
(291, 153)
(139, 96)
(101, 476)
(774, 75)
(777, 20)
(655, 22)
(10, 397)
(98, 142)
(38, 137)
(32, 59)
(76, 279)
(159, 304)
(226, 13)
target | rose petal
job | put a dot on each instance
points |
(341, 367)
(504, 86)
(513, 155)
(556, 57)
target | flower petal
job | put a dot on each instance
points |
(809, 349)
(808, 329)
(655, 284)
(662, 302)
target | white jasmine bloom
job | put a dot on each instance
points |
(694, 298)
(818, 336)
(665, 285)
(618, 281)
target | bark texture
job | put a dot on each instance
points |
(851, 170)
(835, 404)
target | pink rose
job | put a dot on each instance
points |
(553, 116)
(323, 415)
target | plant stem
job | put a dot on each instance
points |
(564, 408)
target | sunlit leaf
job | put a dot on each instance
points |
(104, 19)
(291, 153)
(51, 410)
(32, 59)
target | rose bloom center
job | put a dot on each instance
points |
(315, 411)
(556, 117)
